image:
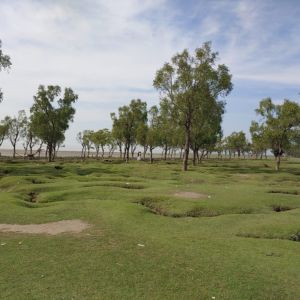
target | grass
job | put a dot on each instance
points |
(241, 242)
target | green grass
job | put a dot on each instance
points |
(239, 243)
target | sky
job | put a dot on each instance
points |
(108, 52)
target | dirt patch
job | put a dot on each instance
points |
(191, 195)
(53, 228)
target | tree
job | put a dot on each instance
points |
(117, 133)
(259, 143)
(5, 64)
(50, 120)
(30, 140)
(111, 143)
(4, 130)
(79, 139)
(16, 129)
(237, 142)
(281, 124)
(167, 127)
(141, 137)
(187, 82)
(87, 140)
(100, 138)
(153, 133)
(206, 130)
(125, 126)
(294, 150)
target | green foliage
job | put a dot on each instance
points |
(153, 136)
(259, 143)
(236, 142)
(188, 84)
(167, 127)
(127, 123)
(280, 125)
(101, 138)
(294, 149)
(50, 120)
(207, 131)
(16, 129)
(4, 126)
(5, 64)
(30, 139)
(87, 140)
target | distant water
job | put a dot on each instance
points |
(63, 153)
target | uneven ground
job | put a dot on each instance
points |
(225, 229)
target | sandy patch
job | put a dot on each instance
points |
(191, 195)
(53, 228)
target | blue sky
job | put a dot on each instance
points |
(109, 51)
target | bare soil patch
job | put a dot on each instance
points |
(53, 228)
(191, 195)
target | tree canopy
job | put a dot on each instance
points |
(126, 124)
(188, 84)
(16, 129)
(50, 120)
(280, 125)
(5, 64)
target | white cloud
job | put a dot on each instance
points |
(108, 51)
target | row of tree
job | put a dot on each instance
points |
(49, 118)
(192, 101)
(96, 140)
(135, 126)
(5, 64)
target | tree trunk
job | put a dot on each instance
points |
(165, 152)
(201, 156)
(124, 153)
(102, 155)
(127, 153)
(277, 162)
(145, 151)
(50, 153)
(186, 148)
(120, 149)
(14, 151)
(194, 157)
(132, 150)
(151, 156)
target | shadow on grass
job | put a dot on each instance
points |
(295, 237)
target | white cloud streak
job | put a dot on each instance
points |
(109, 51)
